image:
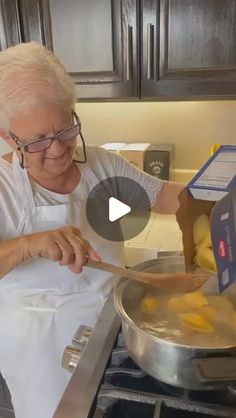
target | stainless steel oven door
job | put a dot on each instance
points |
(86, 358)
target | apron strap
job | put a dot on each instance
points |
(22, 182)
(24, 188)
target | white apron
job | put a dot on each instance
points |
(43, 303)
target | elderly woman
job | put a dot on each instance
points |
(45, 238)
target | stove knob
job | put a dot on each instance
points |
(82, 335)
(73, 352)
(71, 357)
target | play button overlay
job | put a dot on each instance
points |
(118, 208)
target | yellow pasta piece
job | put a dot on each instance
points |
(195, 300)
(206, 243)
(149, 304)
(201, 228)
(196, 322)
(205, 259)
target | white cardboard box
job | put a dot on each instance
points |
(114, 146)
(134, 153)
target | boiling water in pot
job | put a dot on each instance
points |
(192, 319)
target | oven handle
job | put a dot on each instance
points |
(215, 370)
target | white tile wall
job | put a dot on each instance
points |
(162, 233)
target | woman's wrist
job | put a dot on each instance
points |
(24, 243)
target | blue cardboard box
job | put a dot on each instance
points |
(217, 176)
(223, 237)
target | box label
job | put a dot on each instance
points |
(220, 172)
(217, 176)
(223, 236)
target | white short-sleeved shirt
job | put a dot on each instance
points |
(104, 164)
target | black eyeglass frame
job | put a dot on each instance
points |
(22, 147)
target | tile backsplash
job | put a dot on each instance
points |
(161, 234)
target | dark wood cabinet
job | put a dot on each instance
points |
(188, 49)
(130, 49)
(96, 41)
(10, 32)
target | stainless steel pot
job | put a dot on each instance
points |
(179, 365)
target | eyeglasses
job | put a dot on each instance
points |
(38, 145)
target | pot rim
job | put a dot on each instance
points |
(117, 299)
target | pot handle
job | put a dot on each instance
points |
(215, 370)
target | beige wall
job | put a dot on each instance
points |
(192, 126)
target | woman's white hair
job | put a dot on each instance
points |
(30, 75)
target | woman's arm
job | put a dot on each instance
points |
(12, 254)
(65, 245)
(167, 201)
(163, 195)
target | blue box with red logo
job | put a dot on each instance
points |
(223, 237)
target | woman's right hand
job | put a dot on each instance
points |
(65, 245)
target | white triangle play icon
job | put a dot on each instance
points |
(117, 209)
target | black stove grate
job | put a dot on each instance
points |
(127, 409)
(111, 399)
(128, 392)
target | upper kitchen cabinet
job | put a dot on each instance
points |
(129, 49)
(10, 33)
(95, 40)
(188, 49)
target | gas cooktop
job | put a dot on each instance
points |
(107, 383)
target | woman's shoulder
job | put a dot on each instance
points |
(100, 160)
(6, 163)
(6, 172)
(10, 211)
(7, 157)
(96, 153)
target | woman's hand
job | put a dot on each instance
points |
(65, 244)
(167, 200)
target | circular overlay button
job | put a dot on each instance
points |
(118, 208)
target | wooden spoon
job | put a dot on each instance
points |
(180, 282)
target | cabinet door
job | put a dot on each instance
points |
(9, 24)
(188, 48)
(95, 40)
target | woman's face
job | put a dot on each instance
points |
(42, 122)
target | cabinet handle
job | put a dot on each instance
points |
(150, 33)
(129, 42)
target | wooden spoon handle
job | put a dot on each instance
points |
(145, 277)
(121, 271)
